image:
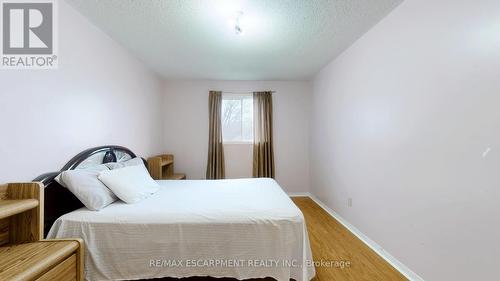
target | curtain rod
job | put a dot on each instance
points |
(240, 92)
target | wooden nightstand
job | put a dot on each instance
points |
(24, 255)
(43, 260)
(161, 167)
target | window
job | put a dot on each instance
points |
(237, 118)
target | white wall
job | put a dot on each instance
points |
(186, 129)
(402, 122)
(99, 95)
(239, 160)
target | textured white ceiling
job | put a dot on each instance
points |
(191, 39)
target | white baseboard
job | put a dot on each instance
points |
(408, 273)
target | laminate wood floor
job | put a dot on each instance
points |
(331, 241)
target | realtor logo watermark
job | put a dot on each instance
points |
(29, 37)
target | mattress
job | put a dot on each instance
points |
(241, 228)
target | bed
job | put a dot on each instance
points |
(243, 228)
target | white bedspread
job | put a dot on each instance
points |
(244, 228)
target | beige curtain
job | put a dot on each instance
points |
(215, 164)
(263, 152)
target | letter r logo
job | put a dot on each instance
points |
(27, 28)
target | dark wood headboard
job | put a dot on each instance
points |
(58, 199)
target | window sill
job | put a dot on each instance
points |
(238, 142)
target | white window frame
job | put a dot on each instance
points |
(237, 96)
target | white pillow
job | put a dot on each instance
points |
(132, 162)
(131, 184)
(85, 185)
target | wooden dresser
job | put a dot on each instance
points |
(161, 167)
(24, 254)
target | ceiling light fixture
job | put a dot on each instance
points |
(236, 23)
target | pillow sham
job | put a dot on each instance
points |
(85, 185)
(131, 184)
(132, 162)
